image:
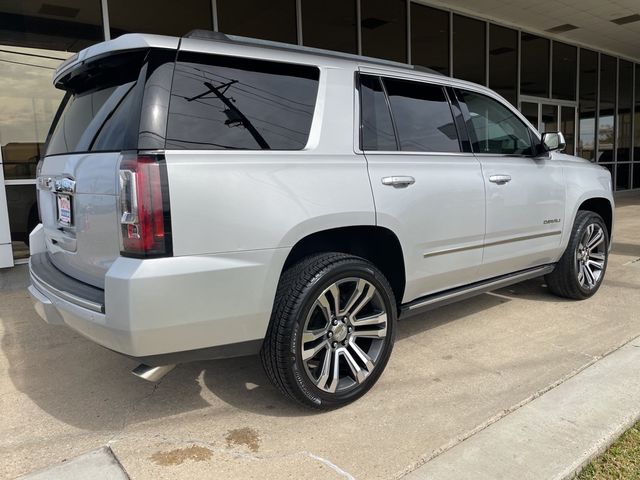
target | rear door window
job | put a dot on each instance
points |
(376, 125)
(422, 116)
(220, 102)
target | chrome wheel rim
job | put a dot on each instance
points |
(591, 256)
(343, 335)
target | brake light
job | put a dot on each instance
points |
(144, 207)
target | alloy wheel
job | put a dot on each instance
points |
(591, 256)
(344, 335)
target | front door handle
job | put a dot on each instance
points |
(398, 181)
(500, 179)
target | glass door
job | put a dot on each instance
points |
(552, 116)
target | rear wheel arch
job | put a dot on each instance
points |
(377, 244)
(602, 206)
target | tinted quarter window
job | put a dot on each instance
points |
(494, 128)
(220, 102)
(377, 129)
(422, 116)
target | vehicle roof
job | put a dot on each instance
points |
(134, 41)
(206, 41)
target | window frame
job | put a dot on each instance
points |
(454, 108)
(534, 138)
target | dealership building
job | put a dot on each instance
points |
(568, 65)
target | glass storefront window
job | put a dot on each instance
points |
(606, 108)
(625, 109)
(384, 29)
(469, 51)
(588, 94)
(330, 24)
(273, 20)
(430, 38)
(534, 68)
(549, 118)
(568, 127)
(530, 111)
(636, 123)
(167, 18)
(565, 59)
(29, 102)
(503, 61)
(70, 25)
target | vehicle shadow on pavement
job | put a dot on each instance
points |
(88, 387)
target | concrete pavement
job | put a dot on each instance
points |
(453, 372)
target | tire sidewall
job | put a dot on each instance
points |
(350, 268)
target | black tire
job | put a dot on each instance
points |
(564, 281)
(301, 288)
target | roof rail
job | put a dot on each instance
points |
(222, 37)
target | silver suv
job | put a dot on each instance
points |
(214, 196)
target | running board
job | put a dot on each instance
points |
(440, 299)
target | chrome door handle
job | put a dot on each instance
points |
(398, 181)
(500, 179)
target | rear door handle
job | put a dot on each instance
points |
(500, 179)
(398, 181)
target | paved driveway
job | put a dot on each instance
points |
(452, 372)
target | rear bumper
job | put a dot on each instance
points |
(167, 309)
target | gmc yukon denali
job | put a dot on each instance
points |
(213, 196)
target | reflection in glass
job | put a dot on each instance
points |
(625, 108)
(565, 59)
(430, 38)
(384, 29)
(166, 18)
(606, 119)
(222, 102)
(530, 111)
(469, 37)
(70, 25)
(568, 127)
(588, 93)
(636, 175)
(29, 102)
(503, 61)
(330, 24)
(273, 20)
(534, 74)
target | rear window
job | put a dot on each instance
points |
(100, 107)
(220, 102)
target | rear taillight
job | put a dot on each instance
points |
(144, 206)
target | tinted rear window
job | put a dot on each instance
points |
(100, 107)
(422, 116)
(220, 102)
(377, 128)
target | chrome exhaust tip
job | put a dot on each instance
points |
(152, 374)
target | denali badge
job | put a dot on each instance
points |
(551, 220)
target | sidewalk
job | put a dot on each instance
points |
(556, 434)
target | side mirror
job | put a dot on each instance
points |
(553, 141)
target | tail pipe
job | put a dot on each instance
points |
(152, 374)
